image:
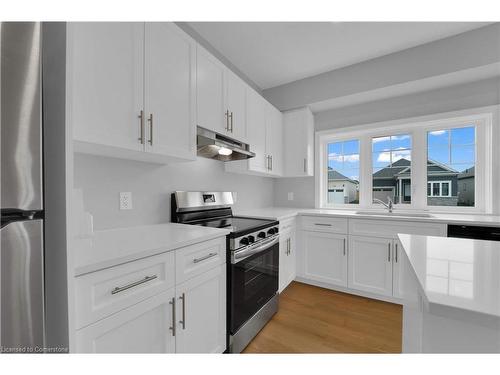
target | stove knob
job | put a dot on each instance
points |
(261, 235)
(270, 232)
(251, 239)
(244, 241)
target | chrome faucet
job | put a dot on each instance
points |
(387, 205)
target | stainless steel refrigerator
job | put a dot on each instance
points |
(22, 223)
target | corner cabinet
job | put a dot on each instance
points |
(131, 90)
(264, 129)
(298, 141)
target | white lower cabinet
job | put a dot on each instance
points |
(142, 328)
(398, 270)
(287, 258)
(153, 313)
(201, 313)
(324, 257)
(370, 264)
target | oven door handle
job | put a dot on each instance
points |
(243, 254)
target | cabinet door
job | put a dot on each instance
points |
(170, 91)
(256, 131)
(398, 269)
(325, 257)
(201, 313)
(284, 261)
(210, 92)
(274, 139)
(142, 328)
(292, 258)
(370, 264)
(236, 105)
(298, 143)
(105, 82)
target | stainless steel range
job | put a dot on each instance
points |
(252, 260)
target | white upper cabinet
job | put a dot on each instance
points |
(264, 128)
(235, 106)
(105, 82)
(131, 87)
(298, 141)
(256, 128)
(170, 91)
(274, 140)
(210, 92)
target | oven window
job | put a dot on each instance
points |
(254, 281)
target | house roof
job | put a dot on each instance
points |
(334, 175)
(468, 173)
(402, 167)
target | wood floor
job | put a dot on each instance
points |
(317, 320)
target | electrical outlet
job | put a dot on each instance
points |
(126, 200)
(290, 196)
(235, 196)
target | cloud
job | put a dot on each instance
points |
(384, 157)
(380, 139)
(438, 132)
(346, 158)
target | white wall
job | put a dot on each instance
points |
(455, 98)
(151, 185)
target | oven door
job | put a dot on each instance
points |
(254, 281)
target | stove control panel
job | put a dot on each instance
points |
(252, 238)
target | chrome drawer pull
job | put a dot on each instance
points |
(183, 321)
(323, 225)
(198, 260)
(172, 302)
(119, 289)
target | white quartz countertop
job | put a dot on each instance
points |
(282, 213)
(111, 247)
(459, 273)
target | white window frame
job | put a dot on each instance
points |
(440, 182)
(417, 128)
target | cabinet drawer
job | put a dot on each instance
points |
(390, 228)
(193, 260)
(324, 224)
(105, 292)
(287, 224)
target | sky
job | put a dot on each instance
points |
(454, 148)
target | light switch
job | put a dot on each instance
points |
(290, 196)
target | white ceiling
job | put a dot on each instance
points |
(274, 53)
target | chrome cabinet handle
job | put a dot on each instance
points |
(150, 120)
(183, 321)
(271, 158)
(119, 289)
(396, 251)
(344, 247)
(389, 252)
(323, 224)
(227, 119)
(141, 125)
(231, 121)
(172, 302)
(305, 165)
(267, 162)
(198, 260)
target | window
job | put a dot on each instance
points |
(440, 164)
(343, 172)
(451, 154)
(438, 189)
(391, 165)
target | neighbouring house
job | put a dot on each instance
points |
(342, 189)
(395, 182)
(466, 187)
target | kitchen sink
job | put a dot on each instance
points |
(396, 214)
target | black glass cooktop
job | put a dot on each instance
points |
(238, 225)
